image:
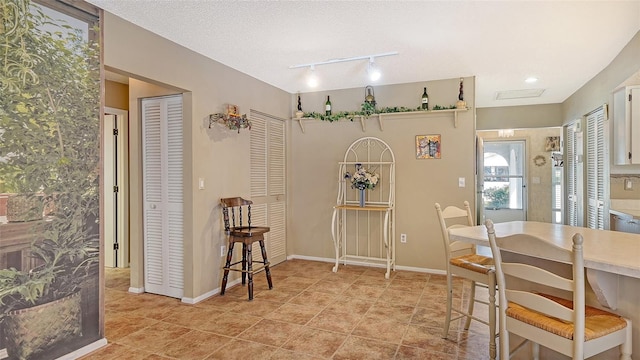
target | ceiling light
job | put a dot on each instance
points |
(312, 78)
(373, 71)
(531, 80)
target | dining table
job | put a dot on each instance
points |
(611, 260)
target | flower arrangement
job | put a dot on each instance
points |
(362, 178)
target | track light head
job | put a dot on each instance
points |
(373, 70)
(312, 78)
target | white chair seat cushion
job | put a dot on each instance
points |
(597, 322)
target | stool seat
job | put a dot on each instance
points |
(249, 231)
(238, 232)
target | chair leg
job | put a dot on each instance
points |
(250, 271)
(472, 300)
(447, 321)
(492, 316)
(535, 350)
(266, 264)
(244, 263)
(225, 277)
(625, 348)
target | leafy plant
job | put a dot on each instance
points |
(49, 129)
(498, 197)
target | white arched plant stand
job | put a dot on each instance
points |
(365, 235)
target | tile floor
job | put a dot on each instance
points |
(311, 313)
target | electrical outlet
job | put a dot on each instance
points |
(628, 184)
(403, 238)
(223, 250)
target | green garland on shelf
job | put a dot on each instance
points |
(367, 110)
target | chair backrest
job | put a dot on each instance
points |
(235, 204)
(510, 276)
(453, 217)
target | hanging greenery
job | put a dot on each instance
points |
(366, 110)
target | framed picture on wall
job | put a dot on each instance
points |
(428, 146)
(552, 143)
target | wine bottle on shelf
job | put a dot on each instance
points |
(327, 107)
(425, 100)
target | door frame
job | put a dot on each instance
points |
(480, 210)
(120, 221)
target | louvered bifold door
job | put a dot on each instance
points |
(595, 154)
(163, 195)
(571, 176)
(268, 183)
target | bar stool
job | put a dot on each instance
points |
(247, 235)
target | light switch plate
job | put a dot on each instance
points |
(461, 182)
(201, 183)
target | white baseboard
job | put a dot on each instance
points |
(209, 294)
(84, 350)
(369, 264)
(139, 290)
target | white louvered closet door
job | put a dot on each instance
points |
(163, 195)
(595, 160)
(268, 183)
(571, 164)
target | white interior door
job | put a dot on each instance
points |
(597, 176)
(504, 196)
(163, 195)
(573, 175)
(268, 175)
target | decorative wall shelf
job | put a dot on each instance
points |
(382, 116)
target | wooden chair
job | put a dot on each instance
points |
(566, 326)
(247, 235)
(462, 261)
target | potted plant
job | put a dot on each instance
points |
(42, 307)
(49, 129)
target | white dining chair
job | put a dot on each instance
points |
(561, 322)
(463, 261)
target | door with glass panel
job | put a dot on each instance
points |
(504, 195)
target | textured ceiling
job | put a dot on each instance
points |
(501, 43)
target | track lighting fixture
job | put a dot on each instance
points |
(373, 70)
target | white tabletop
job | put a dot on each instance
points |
(610, 251)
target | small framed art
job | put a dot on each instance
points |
(552, 143)
(428, 146)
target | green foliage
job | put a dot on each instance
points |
(498, 197)
(49, 130)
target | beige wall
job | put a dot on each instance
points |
(623, 70)
(221, 156)
(116, 95)
(539, 195)
(314, 157)
(519, 117)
